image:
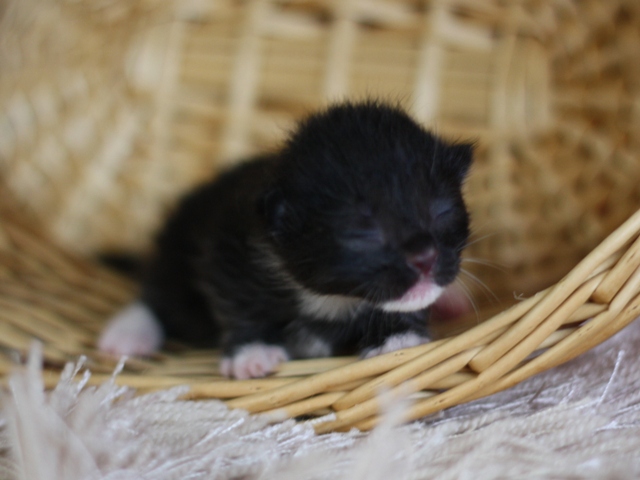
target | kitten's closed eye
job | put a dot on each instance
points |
(441, 209)
(362, 232)
(362, 238)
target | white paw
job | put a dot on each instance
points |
(397, 342)
(133, 331)
(253, 360)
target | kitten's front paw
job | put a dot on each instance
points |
(253, 361)
(396, 342)
(133, 331)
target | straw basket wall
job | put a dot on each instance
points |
(109, 110)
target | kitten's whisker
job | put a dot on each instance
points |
(487, 291)
(475, 228)
(433, 158)
(486, 263)
(467, 292)
(476, 240)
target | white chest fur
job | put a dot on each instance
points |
(327, 307)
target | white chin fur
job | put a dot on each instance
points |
(327, 307)
(418, 297)
(133, 331)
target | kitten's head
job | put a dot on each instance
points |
(367, 204)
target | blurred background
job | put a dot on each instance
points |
(110, 109)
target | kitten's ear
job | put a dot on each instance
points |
(272, 207)
(460, 159)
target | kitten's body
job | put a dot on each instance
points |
(339, 242)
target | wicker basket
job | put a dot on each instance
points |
(109, 110)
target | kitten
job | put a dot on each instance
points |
(341, 241)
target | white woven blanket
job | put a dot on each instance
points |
(581, 420)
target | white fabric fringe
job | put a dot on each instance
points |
(581, 420)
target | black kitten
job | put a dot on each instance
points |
(339, 242)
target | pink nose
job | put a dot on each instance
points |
(424, 261)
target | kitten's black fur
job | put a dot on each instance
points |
(309, 243)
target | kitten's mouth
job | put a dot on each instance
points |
(418, 297)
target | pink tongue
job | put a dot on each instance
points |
(453, 303)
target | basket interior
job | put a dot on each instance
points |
(108, 113)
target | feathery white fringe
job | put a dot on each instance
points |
(581, 420)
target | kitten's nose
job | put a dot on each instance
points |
(423, 261)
